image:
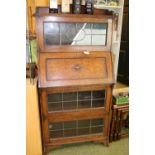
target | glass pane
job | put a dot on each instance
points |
(69, 105)
(55, 126)
(70, 125)
(99, 28)
(98, 103)
(82, 39)
(87, 28)
(68, 32)
(91, 34)
(84, 95)
(55, 106)
(51, 33)
(83, 123)
(75, 33)
(97, 122)
(98, 94)
(51, 28)
(97, 126)
(70, 96)
(55, 97)
(84, 104)
(98, 39)
(54, 102)
(70, 129)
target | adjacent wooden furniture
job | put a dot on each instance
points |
(119, 127)
(124, 124)
(75, 77)
(33, 131)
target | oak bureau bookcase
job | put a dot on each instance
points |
(75, 77)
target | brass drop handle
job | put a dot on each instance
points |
(86, 52)
(77, 67)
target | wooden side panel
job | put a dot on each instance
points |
(44, 116)
(33, 132)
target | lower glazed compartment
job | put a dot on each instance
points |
(77, 131)
(76, 128)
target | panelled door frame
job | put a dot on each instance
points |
(49, 57)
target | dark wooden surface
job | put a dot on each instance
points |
(123, 121)
(117, 120)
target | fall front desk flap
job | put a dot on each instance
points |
(74, 69)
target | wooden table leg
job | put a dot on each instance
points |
(112, 127)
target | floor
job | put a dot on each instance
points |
(120, 147)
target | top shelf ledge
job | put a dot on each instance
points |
(110, 8)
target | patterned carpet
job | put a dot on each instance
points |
(120, 147)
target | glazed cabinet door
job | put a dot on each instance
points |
(74, 114)
(78, 130)
(58, 33)
(76, 100)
